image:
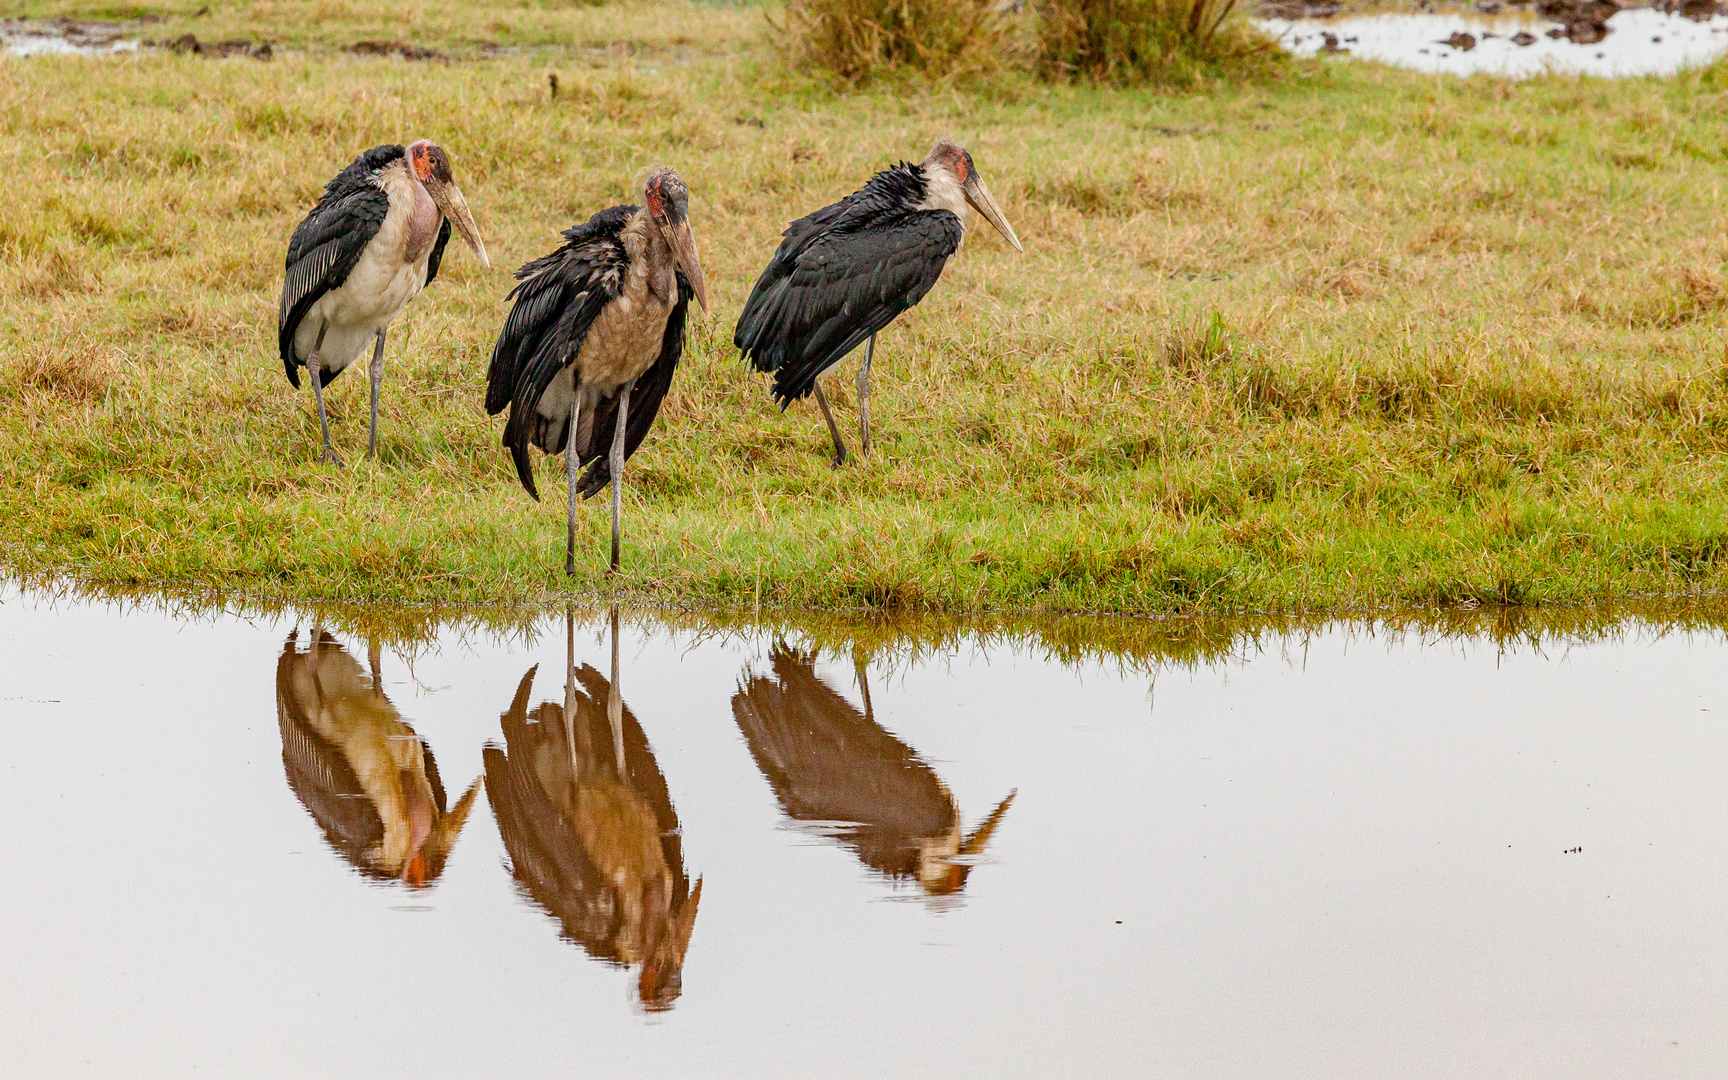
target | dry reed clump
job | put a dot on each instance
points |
(858, 40)
(1168, 42)
(75, 373)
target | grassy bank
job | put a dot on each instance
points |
(1351, 338)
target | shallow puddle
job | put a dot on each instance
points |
(251, 844)
(1639, 41)
(63, 37)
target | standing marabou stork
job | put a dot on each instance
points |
(370, 245)
(595, 321)
(846, 271)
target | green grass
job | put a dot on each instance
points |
(1355, 338)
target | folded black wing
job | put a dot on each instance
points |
(558, 298)
(437, 257)
(844, 287)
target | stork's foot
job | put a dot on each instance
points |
(328, 457)
(839, 457)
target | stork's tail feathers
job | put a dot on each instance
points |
(524, 467)
(293, 366)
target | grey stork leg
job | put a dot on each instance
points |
(833, 429)
(616, 467)
(864, 397)
(572, 459)
(315, 366)
(375, 373)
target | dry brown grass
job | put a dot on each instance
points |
(857, 40)
(1166, 42)
(77, 371)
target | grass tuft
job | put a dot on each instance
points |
(860, 40)
(1177, 43)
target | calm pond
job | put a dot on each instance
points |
(269, 843)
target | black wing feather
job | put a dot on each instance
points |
(437, 256)
(326, 246)
(842, 274)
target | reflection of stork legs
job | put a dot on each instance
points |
(373, 658)
(615, 702)
(861, 667)
(570, 687)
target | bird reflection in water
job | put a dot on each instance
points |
(835, 767)
(590, 828)
(368, 780)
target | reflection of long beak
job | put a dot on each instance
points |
(985, 203)
(974, 844)
(683, 242)
(455, 207)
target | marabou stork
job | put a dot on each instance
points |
(846, 271)
(589, 826)
(842, 772)
(364, 775)
(594, 323)
(374, 240)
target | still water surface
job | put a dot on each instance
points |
(255, 845)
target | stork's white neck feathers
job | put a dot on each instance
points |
(942, 191)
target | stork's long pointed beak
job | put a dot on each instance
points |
(978, 194)
(683, 241)
(455, 207)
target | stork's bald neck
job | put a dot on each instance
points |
(642, 237)
(427, 218)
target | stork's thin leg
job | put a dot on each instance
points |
(315, 366)
(833, 429)
(572, 458)
(616, 467)
(375, 372)
(864, 397)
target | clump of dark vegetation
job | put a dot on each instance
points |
(1164, 42)
(1118, 42)
(858, 40)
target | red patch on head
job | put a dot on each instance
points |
(422, 163)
